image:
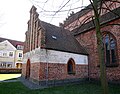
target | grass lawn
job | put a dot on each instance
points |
(86, 88)
(8, 76)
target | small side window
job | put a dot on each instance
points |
(71, 66)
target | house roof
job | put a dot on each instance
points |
(110, 16)
(13, 42)
(60, 39)
(6, 45)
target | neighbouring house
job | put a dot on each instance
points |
(52, 55)
(82, 26)
(11, 53)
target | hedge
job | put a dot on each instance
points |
(10, 70)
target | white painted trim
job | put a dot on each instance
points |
(52, 56)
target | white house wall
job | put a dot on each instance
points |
(17, 58)
(5, 58)
(52, 56)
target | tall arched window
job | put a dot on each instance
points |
(110, 49)
(71, 66)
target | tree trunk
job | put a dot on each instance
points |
(100, 47)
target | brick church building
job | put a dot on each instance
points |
(58, 55)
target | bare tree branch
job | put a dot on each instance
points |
(110, 9)
(64, 10)
(61, 7)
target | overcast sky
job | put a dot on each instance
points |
(14, 14)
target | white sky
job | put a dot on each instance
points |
(14, 15)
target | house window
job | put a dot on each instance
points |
(3, 65)
(20, 47)
(9, 65)
(110, 52)
(71, 66)
(20, 54)
(10, 54)
(4, 54)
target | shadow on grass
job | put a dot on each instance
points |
(11, 79)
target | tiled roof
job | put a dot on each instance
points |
(13, 42)
(110, 16)
(60, 39)
(77, 15)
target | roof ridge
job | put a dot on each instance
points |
(10, 39)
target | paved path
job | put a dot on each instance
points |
(26, 82)
(9, 80)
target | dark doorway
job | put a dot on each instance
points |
(28, 69)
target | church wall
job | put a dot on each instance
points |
(88, 41)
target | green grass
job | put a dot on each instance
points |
(86, 88)
(9, 76)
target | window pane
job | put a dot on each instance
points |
(11, 54)
(113, 56)
(4, 54)
(107, 47)
(112, 46)
(20, 54)
(70, 67)
(107, 39)
(107, 56)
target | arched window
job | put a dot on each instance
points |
(110, 49)
(71, 66)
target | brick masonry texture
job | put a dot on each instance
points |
(34, 71)
(23, 70)
(54, 71)
(88, 40)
